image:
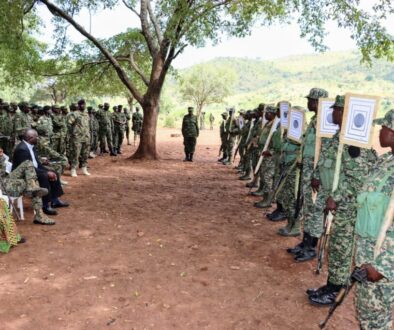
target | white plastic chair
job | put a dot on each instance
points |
(19, 204)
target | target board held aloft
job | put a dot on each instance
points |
(357, 122)
(296, 125)
(284, 108)
(325, 125)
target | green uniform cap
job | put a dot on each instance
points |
(316, 93)
(225, 114)
(339, 101)
(387, 120)
(271, 108)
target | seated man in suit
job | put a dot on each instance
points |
(48, 179)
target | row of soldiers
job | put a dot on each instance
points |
(285, 171)
(69, 135)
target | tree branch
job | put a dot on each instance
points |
(131, 8)
(146, 29)
(138, 70)
(154, 22)
(119, 70)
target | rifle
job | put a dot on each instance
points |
(328, 218)
(358, 275)
(300, 196)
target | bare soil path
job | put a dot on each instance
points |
(159, 245)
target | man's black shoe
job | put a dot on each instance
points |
(49, 211)
(326, 298)
(277, 216)
(60, 203)
(305, 255)
(297, 249)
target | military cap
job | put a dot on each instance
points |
(339, 101)
(81, 101)
(224, 114)
(387, 120)
(316, 93)
(23, 105)
(190, 108)
(271, 109)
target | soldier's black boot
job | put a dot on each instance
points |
(278, 214)
(186, 157)
(309, 250)
(119, 151)
(326, 296)
(299, 247)
(191, 157)
(112, 151)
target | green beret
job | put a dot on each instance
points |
(316, 93)
(387, 120)
(339, 101)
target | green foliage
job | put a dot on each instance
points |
(206, 84)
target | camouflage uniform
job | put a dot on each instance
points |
(232, 130)
(78, 122)
(105, 129)
(44, 128)
(375, 300)
(94, 132)
(354, 170)
(22, 121)
(6, 129)
(119, 119)
(127, 114)
(57, 162)
(223, 135)
(211, 121)
(242, 143)
(137, 121)
(287, 195)
(190, 133)
(21, 181)
(58, 139)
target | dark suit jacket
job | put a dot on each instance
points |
(22, 153)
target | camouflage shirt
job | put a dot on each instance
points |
(22, 121)
(78, 123)
(190, 126)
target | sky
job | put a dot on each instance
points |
(264, 43)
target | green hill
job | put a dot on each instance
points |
(290, 79)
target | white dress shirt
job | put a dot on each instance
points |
(34, 160)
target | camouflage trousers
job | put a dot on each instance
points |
(308, 207)
(118, 137)
(313, 221)
(79, 153)
(58, 143)
(190, 144)
(127, 131)
(94, 141)
(374, 301)
(341, 245)
(105, 138)
(22, 179)
(229, 147)
(286, 196)
(267, 173)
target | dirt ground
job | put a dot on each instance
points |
(159, 245)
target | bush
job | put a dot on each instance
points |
(169, 122)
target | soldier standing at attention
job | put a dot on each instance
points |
(119, 119)
(105, 130)
(59, 127)
(190, 133)
(375, 297)
(137, 123)
(127, 114)
(78, 122)
(223, 136)
(211, 120)
(22, 120)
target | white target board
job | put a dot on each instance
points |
(284, 108)
(325, 124)
(296, 125)
(358, 116)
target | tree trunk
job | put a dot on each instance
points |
(147, 147)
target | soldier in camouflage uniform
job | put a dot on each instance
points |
(137, 121)
(50, 158)
(6, 129)
(105, 130)
(78, 122)
(270, 161)
(247, 154)
(127, 115)
(211, 120)
(232, 129)
(23, 181)
(22, 120)
(59, 130)
(190, 134)
(94, 131)
(44, 126)
(119, 120)
(244, 134)
(375, 297)
(355, 167)
(223, 136)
